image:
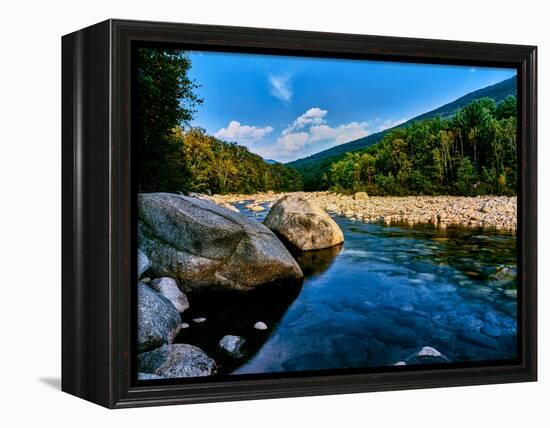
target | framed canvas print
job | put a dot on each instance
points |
(253, 213)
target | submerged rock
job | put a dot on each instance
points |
(232, 345)
(428, 351)
(148, 376)
(178, 360)
(426, 355)
(303, 224)
(254, 207)
(504, 273)
(168, 288)
(206, 247)
(158, 320)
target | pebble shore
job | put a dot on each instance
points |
(496, 212)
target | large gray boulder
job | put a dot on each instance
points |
(303, 224)
(168, 288)
(204, 246)
(176, 361)
(158, 320)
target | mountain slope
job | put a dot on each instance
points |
(312, 167)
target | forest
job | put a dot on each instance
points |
(176, 157)
(472, 152)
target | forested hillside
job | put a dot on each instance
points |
(470, 153)
(313, 167)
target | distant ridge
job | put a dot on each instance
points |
(322, 160)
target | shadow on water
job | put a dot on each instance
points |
(236, 314)
(314, 263)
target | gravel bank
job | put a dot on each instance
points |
(498, 212)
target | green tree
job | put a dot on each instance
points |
(507, 108)
(166, 98)
(466, 177)
(471, 153)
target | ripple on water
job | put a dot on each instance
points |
(393, 290)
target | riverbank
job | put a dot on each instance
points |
(496, 212)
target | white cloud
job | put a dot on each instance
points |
(314, 116)
(389, 123)
(341, 134)
(293, 142)
(311, 127)
(280, 87)
(242, 133)
(307, 134)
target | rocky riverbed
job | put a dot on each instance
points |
(496, 212)
(225, 286)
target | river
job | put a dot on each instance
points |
(377, 300)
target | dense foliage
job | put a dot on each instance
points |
(170, 159)
(470, 153)
(166, 98)
(469, 150)
(216, 166)
(313, 167)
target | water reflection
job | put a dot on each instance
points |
(316, 262)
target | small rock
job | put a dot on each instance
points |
(143, 263)
(184, 325)
(199, 320)
(511, 292)
(504, 273)
(168, 288)
(253, 207)
(260, 325)
(361, 196)
(232, 345)
(148, 376)
(407, 307)
(428, 351)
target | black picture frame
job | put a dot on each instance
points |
(98, 210)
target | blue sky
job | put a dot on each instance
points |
(285, 108)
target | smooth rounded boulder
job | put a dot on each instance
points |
(206, 247)
(303, 224)
(158, 320)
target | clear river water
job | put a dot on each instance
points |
(377, 300)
